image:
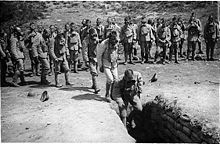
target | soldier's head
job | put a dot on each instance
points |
(32, 26)
(163, 22)
(98, 21)
(84, 22)
(150, 21)
(143, 20)
(88, 23)
(67, 26)
(109, 20)
(113, 38)
(72, 25)
(211, 19)
(129, 75)
(40, 28)
(127, 20)
(52, 28)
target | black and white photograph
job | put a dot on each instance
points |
(110, 71)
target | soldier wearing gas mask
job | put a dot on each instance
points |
(91, 42)
(108, 61)
(58, 52)
(128, 90)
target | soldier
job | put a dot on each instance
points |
(109, 63)
(100, 29)
(128, 90)
(58, 52)
(135, 43)
(74, 46)
(163, 39)
(128, 36)
(176, 33)
(194, 32)
(150, 22)
(198, 22)
(92, 42)
(17, 52)
(4, 57)
(182, 37)
(145, 37)
(32, 52)
(111, 26)
(39, 51)
(211, 35)
(81, 31)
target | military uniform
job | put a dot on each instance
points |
(211, 34)
(163, 39)
(3, 55)
(17, 53)
(182, 26)
(194, 31)
(74, 46)
(127, 36)
(176, 33)
(109, 63)
(100, 30)
(58, 52)
(145, 37)
(128, 91)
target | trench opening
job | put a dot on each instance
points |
(161, 122)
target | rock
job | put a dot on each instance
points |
(44, 96)
(154, 78)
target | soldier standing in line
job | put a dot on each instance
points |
(66, 35)
(182, 37)
(100, 29)
(128, 90)
(108, 61)
(176, 33)
(4, 57)
(150, 22)
(135, 43)
(198, 22)
(17, 53)
(163, 38)
(128, 36)
(194, 32)
(58, 52)
(92, 42)
(74, 45)
(211, 35)
(145, 37)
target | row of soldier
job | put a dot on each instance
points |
(45, 46)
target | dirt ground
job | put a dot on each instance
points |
(75, 114)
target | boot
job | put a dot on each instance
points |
(94, 81)
(57, 84)
(23, 82)
(15, 79)
(67, 78)
(108, 92)
(44, 81)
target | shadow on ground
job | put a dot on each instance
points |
(89, 97)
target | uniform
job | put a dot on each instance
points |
(163, 38)
(74, 46)
(182, 26)
(194, 31)
(211, 34)
(145, 37)
(58, 52)
(128, 91)
(100, 30)
(17, 53)
(176, 33)
(3, 66)
(127, 36)
(109, 63)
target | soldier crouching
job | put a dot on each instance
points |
(127, 90)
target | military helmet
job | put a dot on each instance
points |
(129, 75)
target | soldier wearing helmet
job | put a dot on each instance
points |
(128, 90)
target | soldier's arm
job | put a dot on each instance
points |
(51, 48)
(13, 48)
(2, 53)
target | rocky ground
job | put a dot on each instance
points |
(75, 114)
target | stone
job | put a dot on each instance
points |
(186, 130)
(178, 126)
(183, 137)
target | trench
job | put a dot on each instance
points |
(161, 122)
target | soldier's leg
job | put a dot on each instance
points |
(45, 68)
(36, 66)
(94, 73)
(21, 70)
(75, 61)
(212, 48)
(200, 46)
(142, 45)
(32, 63)
(3, 69)
(147, 47)
(164, 53)
(57, 65)
(171, 51)
(109, 83)
(176, 51)
(136, 103)
(189, 47)
(66, 71)
(130, 49)
(149, 51)
(122, 110)
(16, 74)
(126, 52)
(207, 51)
(193, 50)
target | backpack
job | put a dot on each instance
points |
(144, 30)
(211, 29)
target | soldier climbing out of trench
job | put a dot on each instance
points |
(128, 90)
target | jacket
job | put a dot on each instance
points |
(74, 41)
(128, 34)
(16, 48)
(211, 34)
(176, 33)
(100, 30)
(163, 36)
(145, 37)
